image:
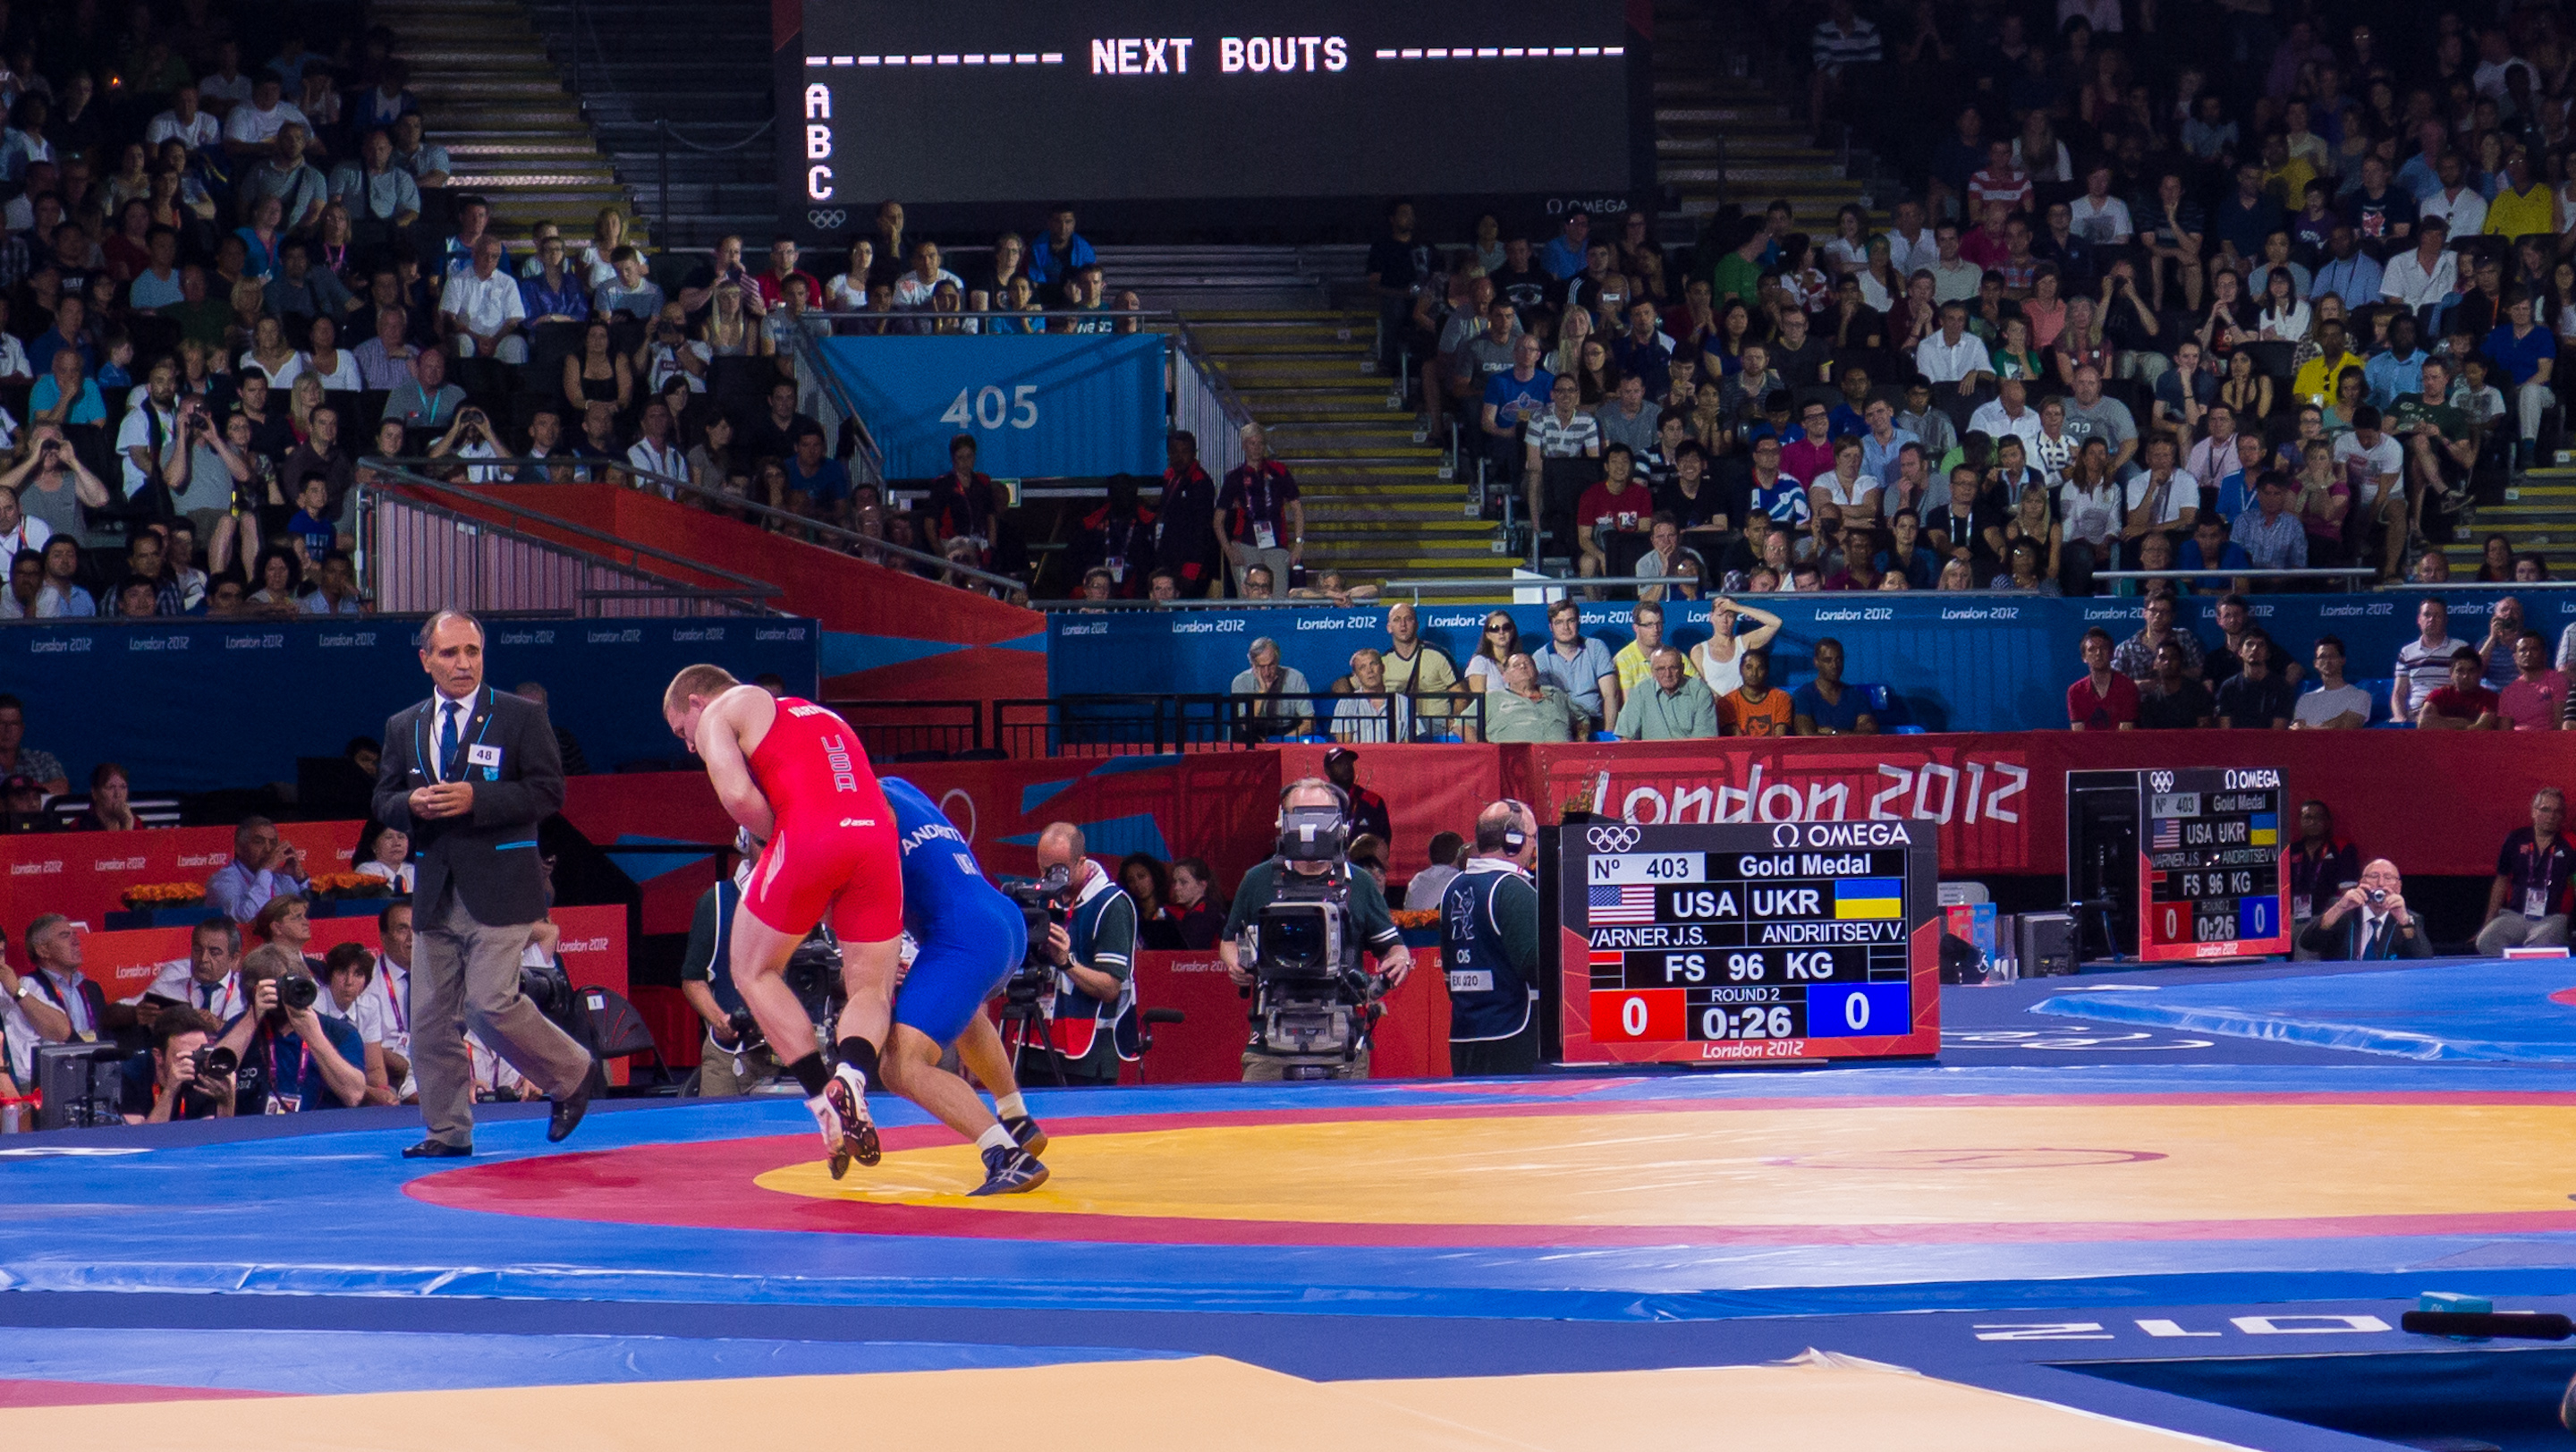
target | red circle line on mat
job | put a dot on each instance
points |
(709, 1185)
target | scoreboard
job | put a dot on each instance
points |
(1763, 942)
(2212, 864)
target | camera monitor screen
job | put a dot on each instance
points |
(1292, 115)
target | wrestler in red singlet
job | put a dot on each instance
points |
(834, 850)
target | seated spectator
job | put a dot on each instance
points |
(2102, 699)
(480, 312)
(1369, 712)
(347, 972)
(426, 400)
(264, 865)
(2465, 704)
(53, 1002)
(1755, 708)
(385, 853)
(2270, 536)
(630, 292)
(1579, 665)
(336, 587)
(1827, 707)
(2336, 704)
(1610, 520)
(2368, 922)
(1526, 708)
(1194, 918)
(1676, 707)
(2210, 547)
(1448, 857)
(2527, 904)
(2254, 697)
(2173, 699)
(2536, 699)
(1287, 705)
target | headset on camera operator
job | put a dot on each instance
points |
(291, 1057)
(1312, 1006)
(183, 1075)
(1092, 948)
(1489, 947)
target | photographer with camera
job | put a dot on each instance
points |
(181, 1076)
(470, 436)
(2369, 923)
(291, 1057)
(734, 1059)
(1294, 940)
(1090, 942)
(1489, 947)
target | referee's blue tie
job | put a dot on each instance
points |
(451, 740)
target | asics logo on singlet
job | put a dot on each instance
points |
(836, 755)
(858, 821)
(807, 711)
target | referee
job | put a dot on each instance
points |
(1489, 947)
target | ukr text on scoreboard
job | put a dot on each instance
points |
(1749, 942)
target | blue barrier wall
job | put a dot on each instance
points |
(191, 705)
(1985, 662)
(1051, 406)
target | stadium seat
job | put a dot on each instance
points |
(620, 1032)
(1889, 708)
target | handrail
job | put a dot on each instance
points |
(398, 471)
(810, 368)
(728, 501)
(2320, 572)
(1169, 315)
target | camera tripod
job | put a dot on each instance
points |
(1026, 1025)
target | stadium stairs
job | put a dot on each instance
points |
(2534, 513)
(702, 67)
(512, 131)
(1721, 136)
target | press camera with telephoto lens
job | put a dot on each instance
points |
(214, 1065)
(297, 991)
(1312, 1005)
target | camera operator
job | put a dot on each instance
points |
(180, 1077)
(1366, 911)
(733, 1060)
(2369, 922)
(1093, 950)
(291, 1057)
(1489, 947)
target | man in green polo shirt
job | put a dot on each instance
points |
(1678, 708)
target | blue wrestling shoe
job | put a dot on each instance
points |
(1010, 1172)
(1025, 1130)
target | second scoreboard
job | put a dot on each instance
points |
(1768, 941)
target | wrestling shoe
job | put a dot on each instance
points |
(858, 1133)
(1027, 1132)
(1010, 1172)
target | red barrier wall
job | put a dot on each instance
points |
(1412, 1040)
(84, 875)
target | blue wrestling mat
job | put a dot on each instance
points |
(2469, 1009)
(2006, 1219)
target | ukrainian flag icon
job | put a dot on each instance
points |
(1869, 897)
(2265, 829)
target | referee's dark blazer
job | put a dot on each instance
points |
(2343, 943)
(491, 854)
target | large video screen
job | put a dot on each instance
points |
(961, 110)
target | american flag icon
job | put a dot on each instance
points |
(1634, 904)
(2167, 837)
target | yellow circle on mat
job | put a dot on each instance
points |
(1939, 1163)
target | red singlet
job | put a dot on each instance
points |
(834, 850)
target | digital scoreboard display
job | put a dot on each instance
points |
(985, 113)
(1748, 943)
(2213, 864)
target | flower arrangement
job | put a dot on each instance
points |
(1416, 917)
(349, 884)
(146, 896)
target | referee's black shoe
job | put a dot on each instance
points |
(1010, 1172)
(568, 1112)
(438, 1149)
(1026, 1131)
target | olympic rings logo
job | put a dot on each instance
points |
(828, 220)
(2161, 781)
(1612, 839)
